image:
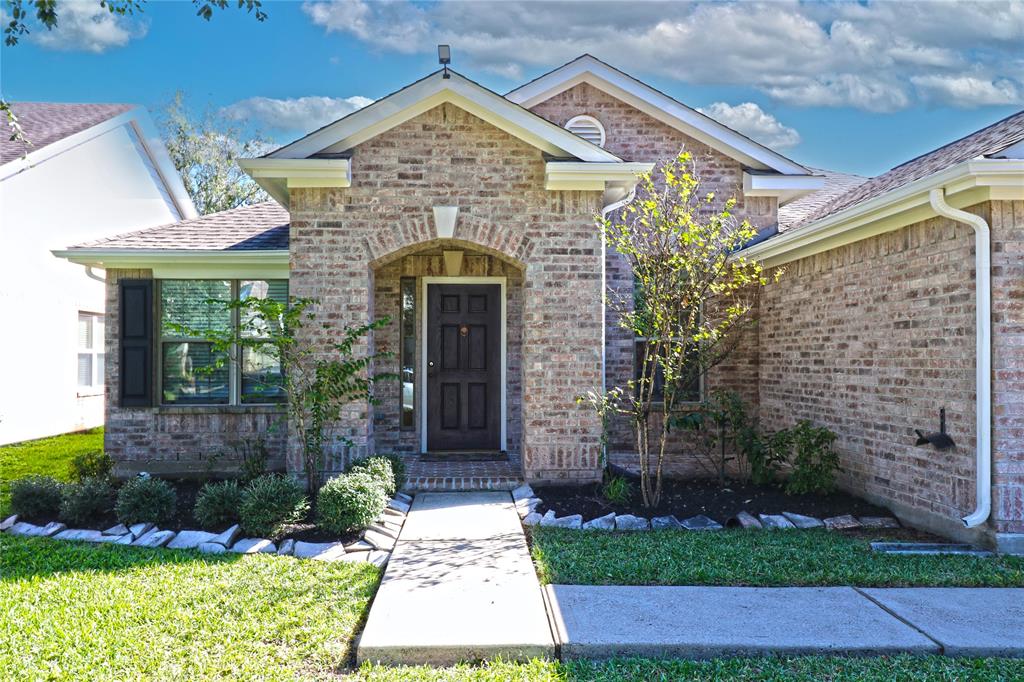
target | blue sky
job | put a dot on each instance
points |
(857, 87)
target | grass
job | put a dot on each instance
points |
(76, 611)
(45, 457)
(756, 558)
(808, 668)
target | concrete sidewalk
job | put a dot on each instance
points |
(460, 586)
(709, 622)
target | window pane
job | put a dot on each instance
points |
(98, 336)
(687, 392)
(261, 377)
(85, 369)
(408, 355)
(189, 374)
(100, 369)
(274, 289)
(185, 302)
(85, 331)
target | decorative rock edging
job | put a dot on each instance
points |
(374, 546)
(526, 503)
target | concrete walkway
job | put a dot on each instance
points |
(460, 586)
(707, 622)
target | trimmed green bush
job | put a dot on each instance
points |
(218, 504)
(381, 468)
(397, 468)
(146, 500)
(271, 502)
(92, 465)
(36, 497)
(350, 501)
(85, 501)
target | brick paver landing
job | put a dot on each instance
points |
(460, 586)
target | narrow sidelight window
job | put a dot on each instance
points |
(407, 303)
(90, 350)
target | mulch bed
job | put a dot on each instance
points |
(686, 498)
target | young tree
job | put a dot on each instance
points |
(206, 154)
(692, 292)
(316, 382)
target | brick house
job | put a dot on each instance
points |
(468, 219)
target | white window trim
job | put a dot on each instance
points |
(503, 349)
(587, 118)
(97, 320)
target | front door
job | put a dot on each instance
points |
(463, 370)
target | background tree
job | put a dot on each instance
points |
(47, 12)
(206, 151)
(316, 383)
(692, 292)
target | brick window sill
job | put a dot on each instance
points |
(220, 409)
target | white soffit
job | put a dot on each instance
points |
(784, 187)
(430, 92)
(589, 69)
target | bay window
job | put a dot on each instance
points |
(191, 371)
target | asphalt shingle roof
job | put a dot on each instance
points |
(47, 122)
(836, 185)
(259, 227)
(985, 142)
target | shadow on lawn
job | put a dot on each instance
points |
(22, 558)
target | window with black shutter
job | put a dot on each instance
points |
(136, 342)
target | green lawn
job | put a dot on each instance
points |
(760, 558)
(46, 457)
(808, 669)
(72, 611)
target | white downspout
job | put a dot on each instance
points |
(92, 275)
(983, 352)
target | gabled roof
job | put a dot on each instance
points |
(836, 185)
(259, 227)
(987, 142)
(589, 69)
(429, 92)
(47, 122)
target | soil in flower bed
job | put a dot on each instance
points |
(686, 498)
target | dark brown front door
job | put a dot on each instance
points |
(463, 370)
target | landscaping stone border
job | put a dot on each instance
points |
(527, 502)
(374, 546)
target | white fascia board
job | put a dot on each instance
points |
(656, 104)
(965, 183)
(428, 93)
(139, 122)
(184, 263)
(575, 175)
(785, 188)
(277, 176)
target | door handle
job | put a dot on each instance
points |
(430, 364)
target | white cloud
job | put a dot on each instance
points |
(877, 56)
(297, 114)
(754, 122)
(88, 27)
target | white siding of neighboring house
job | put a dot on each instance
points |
(102, 187)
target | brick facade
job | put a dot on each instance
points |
(180, 440)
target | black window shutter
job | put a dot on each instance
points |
(136, 355)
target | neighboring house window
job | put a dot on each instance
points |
(587, 127)
(689, 392)
(90, 350)
(408, 359)
(190, 370)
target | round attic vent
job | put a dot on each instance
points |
(587, 127)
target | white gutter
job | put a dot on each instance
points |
(983, 353)
(92, 275)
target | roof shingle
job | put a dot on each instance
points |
(836, 185)
(47, 122)
(259, 227)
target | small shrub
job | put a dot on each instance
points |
(617, 490)
(814, 461)
(398, 469)
(217, 504)
(92, 465)
(269, 503)
(350, 501)
(36, 497)
(89, 499)
(146, 500)
(380, 468)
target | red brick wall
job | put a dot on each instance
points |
(449, 157)
(186, 440)
(634, 136)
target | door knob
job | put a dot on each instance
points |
(430, 364)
